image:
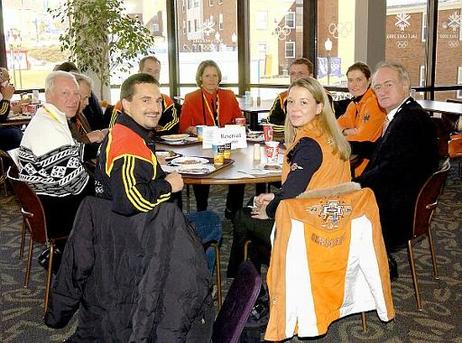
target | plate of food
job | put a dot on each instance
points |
(189, 162)
(167, 154)
(175, 137)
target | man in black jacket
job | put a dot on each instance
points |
(402, 159)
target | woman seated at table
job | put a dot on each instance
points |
(79, 125)
(212, 106)
(363, 119)
(317, 156)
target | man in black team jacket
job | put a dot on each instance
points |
(134, 262)
(402, 159)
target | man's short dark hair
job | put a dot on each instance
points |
(67, 66)
(144, 59)
(305, 61)
(128, 86)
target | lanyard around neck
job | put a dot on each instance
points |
(214, 115)
(51, 114)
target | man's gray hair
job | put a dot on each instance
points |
(50, 80)
(396, 66)
(83, 78)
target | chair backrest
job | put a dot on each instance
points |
(238, 304)
(455, 146)
(31, 209)
(427, 199)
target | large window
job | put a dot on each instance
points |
(275, 41)
(31, 40)
(405, 36)
(336, 41)
(215, 38)
(449, 47)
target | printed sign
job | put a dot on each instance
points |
(234, 134)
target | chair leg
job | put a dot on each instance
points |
(29, 264)
(246, 249)
(49, 275)
(432, 252)
(364, 321)
(414, 276)
(218, 274)
(23, 240)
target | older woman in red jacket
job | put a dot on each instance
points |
(210, 105)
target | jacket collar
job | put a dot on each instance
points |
(125, 120)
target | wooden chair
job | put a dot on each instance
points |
(5, 159)
(238, 304)
(455, 149)
(426, 202)
(34, 223)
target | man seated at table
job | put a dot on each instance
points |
(300, 67)
(10, 137)
(128, 172)
(49, 157)
(402, 159)
(169, 121)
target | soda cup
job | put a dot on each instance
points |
(272, 152)
(268, 132)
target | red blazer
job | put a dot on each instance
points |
(198, 111)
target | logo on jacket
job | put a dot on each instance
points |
(330, 212)
(366, 118)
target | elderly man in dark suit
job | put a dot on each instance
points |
(402, 159)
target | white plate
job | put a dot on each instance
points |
(189, 161)
(200, 169)
(175, 137)
(167, 154)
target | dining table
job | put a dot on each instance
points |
(242, 169)
(441, 107)
(16, 120)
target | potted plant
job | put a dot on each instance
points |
(101, 37)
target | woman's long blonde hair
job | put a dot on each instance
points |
(327, 123)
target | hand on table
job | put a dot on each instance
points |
(192, 130)
(176, 181)
(7, 91)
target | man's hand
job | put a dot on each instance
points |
(7, 91)
(176, 181)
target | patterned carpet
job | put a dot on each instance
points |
(440, 321)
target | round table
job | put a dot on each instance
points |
(237, 173)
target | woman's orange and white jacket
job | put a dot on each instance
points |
(328, 261)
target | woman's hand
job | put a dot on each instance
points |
(192, 130)
(259, 212)
(263, 199)
(97, 136)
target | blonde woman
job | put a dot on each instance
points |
(317, 157)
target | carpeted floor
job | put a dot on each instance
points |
(440, 321)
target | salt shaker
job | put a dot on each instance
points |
(256, 152)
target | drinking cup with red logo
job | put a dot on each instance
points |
(272, 152)
(268, 132)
